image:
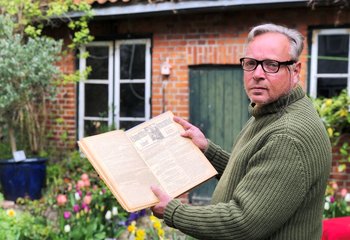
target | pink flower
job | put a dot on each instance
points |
(76, 208)
(80, 184)
(86, 183)
(84, 177)
(66, 214)
(332, 199)
(61, 199)
(87, 199)
(335, 186)
(343, 192)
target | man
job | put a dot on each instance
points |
(272, 184)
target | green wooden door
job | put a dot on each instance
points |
(219, 107)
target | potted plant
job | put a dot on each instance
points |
(29, 77)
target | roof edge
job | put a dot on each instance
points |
(184, 6)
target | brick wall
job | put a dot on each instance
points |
(187, 40)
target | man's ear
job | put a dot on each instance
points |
(296, 72)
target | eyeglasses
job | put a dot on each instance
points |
(269, 66)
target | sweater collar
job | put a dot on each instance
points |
(279, 105)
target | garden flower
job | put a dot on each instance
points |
(161, 233)
(157, 225)
(328, 102)
(86, 183)
(61, 199)
(132, 227)
(84, 177)
(66, 214)
(335, 186)
(140, 234)
(67, 228)
(330, 131)
(77, 196)
(114, 211)
(76, 208)
(343, 112)
(80, 184)
(11, 212)
(343, 192)
(87, 199)
(108, 215)
(326, 206)
(347, 197)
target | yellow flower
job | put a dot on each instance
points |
(161, 233)
(153, 218)
(330, 131)
(10, 212)
(343, 112)
(157, 225)
(140, 234)
(328, 102)
(132, 227)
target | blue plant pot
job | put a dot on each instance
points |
(23, 179)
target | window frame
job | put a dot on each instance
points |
(113, 83)
(314, 57)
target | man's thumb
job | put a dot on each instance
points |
(156, 190)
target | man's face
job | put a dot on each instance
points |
(261, 87)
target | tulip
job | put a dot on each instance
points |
(80, 184)
(84, 177)
(326, 205)
(347, 197)
(67, 228)
(61, 199)
(77, 196)
(114, 211)
(87, 199)
(343, 192)
(86, 182)
(76, 208)
(66, 214)
(108, 215)
(335, 186)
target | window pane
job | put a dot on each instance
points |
(329, 87)
(132, 61)
(98, 61)
(333, 51)
(128, 124)
(132, 100)
(95, 127)
(96, 100)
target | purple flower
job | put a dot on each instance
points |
(76, 208)
(332, 199)
(135, 215)
(66, 214)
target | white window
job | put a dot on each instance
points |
(330, 65)
(117, 91)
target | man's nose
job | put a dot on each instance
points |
(259, 72)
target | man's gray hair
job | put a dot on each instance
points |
(296, 39)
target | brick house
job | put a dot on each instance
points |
(149, 56)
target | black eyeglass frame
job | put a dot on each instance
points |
(286, 63)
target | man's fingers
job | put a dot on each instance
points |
(186, 125)
(157, 191)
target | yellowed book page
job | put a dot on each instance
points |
(121, 168)
(177, 163)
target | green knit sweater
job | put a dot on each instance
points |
(273, 183)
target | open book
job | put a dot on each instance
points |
(152, 153)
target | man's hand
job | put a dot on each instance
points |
(193, 133)
(164, 199)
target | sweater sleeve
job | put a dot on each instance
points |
(266, 197)
(217, 156)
